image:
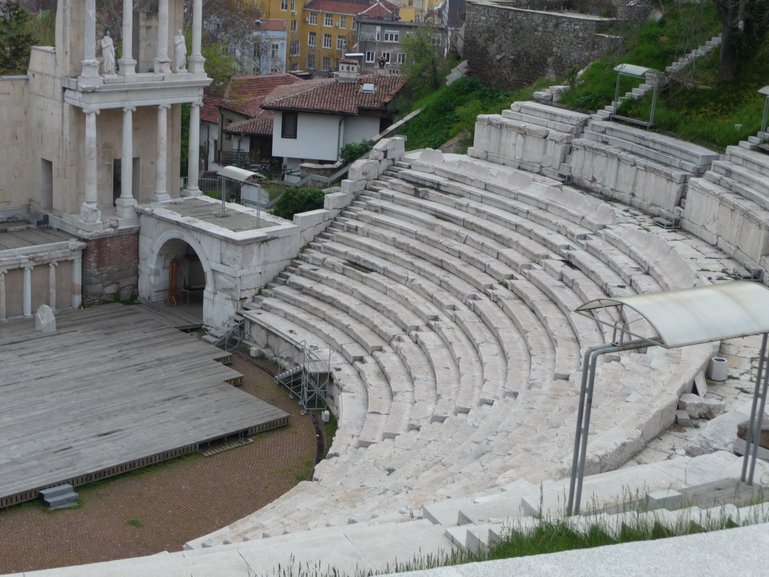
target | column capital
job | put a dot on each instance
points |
(164, 106)
(129, 109)
(53, 264)
(91, 110)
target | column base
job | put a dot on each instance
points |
(125, 209)
(192, 192)
(127, 66)
(162, 66)
(89, 76)
(195, 64)
(90, 215)
(161, 197)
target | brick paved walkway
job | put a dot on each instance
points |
(162, 508)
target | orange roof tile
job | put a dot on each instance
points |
(331, 96)
(244, 94)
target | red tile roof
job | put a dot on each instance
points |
(244, 94)
(271, 25)
(346, 6)
(209, 112)
(379, 9)
(331, 96)
(259, 125)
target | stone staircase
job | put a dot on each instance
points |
(443, 296)
(652, 79)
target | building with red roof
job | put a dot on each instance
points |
(239, 130)
(316, 118)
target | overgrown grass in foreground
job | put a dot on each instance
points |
(451, 111)
(549, 536)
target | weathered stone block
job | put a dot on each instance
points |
(45, 320)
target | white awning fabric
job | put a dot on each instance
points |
(698, 315)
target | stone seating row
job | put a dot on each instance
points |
(529, 188)
(743, 172)
(494, 438)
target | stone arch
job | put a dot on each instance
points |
(154, 272)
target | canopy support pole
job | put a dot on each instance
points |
(753, 433)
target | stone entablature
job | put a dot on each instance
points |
(39, 267)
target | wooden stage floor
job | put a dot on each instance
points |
(113, 389)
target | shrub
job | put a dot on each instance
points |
(297, 200)
(353, 151)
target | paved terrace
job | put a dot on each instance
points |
(112, 390)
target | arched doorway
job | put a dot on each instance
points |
(177, 273)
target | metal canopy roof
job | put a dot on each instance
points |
(697, 315)
(239, 174)
(634, 70)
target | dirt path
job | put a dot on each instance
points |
(162, 508)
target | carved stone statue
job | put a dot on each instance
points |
(180, 51)
(108, 55)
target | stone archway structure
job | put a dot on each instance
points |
(240, 250)
(155, 262)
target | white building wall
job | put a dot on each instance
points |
(360, 128)
(318, 137)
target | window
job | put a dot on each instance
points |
(370, 56)
(313, 19)
(284, 5)
(311, 40)
(328, 20)
(293, 5)
(295, 48)
(400, 58)
(343, 21)
(341, 42)
(274, 50)
(327, 41)
(293, 26)
(386, 56)
(326, 63)
(288, 125)
(391, 35)
(310, 62)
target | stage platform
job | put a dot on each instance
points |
(112, 390)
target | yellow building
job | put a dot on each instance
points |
(321, 31)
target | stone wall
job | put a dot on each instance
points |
(110, 268)
(509, 47)
(14, 142)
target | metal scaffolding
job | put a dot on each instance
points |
(309, 380)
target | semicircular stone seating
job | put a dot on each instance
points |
(443, 297)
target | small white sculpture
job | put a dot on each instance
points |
(181, 52)
(108, 55)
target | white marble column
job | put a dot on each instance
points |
(52, 285)
(77, 281)
(193, 157)
(27, 291)
(162, 63)
(126, 204)
(3, 313)
(89, 211)
(195, 61)
(127, 62)
(161, 155)
(90, 70)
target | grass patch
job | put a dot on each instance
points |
(135, 523)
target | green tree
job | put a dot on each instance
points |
(744, 28)
(220, 65)
(15, 39)
(424, 67)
